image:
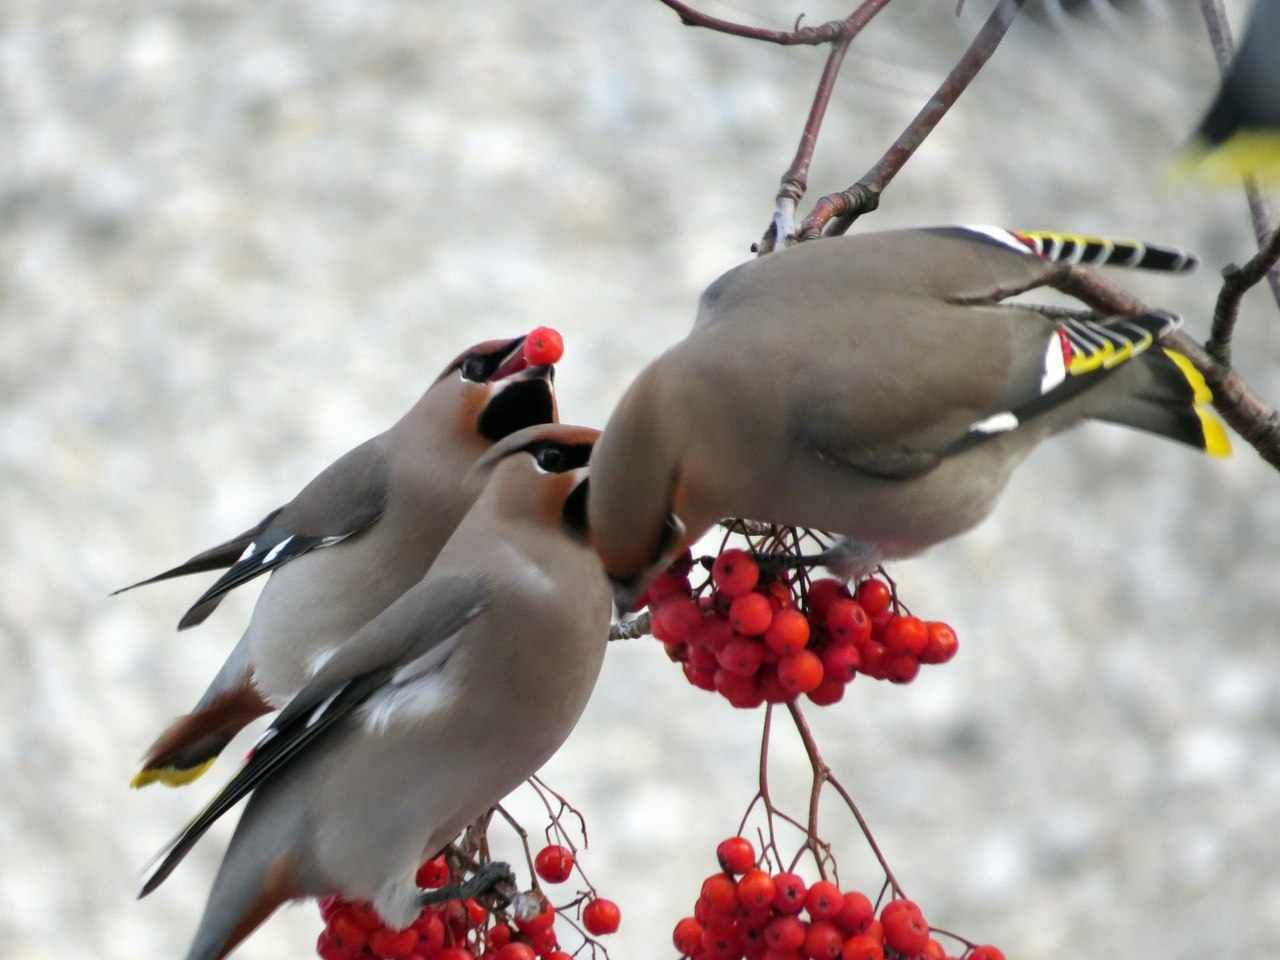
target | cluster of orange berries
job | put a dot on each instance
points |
(460, 929)
(746, 913)
(755, 641)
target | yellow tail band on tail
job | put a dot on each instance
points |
(1216, 443)
(170, 776)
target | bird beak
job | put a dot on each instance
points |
(520, 401)
(626, 594)
(513, 362)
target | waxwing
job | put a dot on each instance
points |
(1240, 133)
(426, 717)
(356, 537)
(874, 386)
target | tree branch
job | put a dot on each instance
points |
(864, 195)
(1235, 282)
(1215, 19)
(800, 36)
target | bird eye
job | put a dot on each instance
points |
(551, 459)
(474, 369)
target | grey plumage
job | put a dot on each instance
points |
(427, 716)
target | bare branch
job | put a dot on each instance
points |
(1236, 281)
(630, 628)
(800, 36)
(862, 197)
(1215, 19)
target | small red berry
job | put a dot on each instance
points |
(543, 345)
(554, 863)
(856, 912)
(823, 941)
(755, 889)
(790, 893)
(823, 593)
(942, 645)
(847, 622)
(498, 937)
(601, 916)
(826, 693)
(735, 573)
(905, 929)
(824, 900)
(933, 951)
(840, 661)
(345, 931)
(476, 913)
(667, 585)
(771, 687)
(874, 596)
(743, 692)
(785, 934)
(741, 656)
(800, 672)
(434, 873)
(987, 952)
(554, 955)
(542, 920)
(713, 633)
(543, 941)
(906, 635)
(902, 667)
(751, 614)
(736, 855)
(516, 951)
(393, 944)
(704, 678)
(862, 947)
(720, 893)
(788, 633)
(779, 595)
(687, 936)
(455, 953)
(675, 619)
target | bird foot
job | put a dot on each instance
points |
(846, 559)
(493, 880)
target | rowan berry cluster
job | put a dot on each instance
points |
(746, 913)
(755, 640)
(465, 929)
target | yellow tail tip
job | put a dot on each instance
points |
(1200, 389)
(1216, 442)
(1247, 153)
(169, 776)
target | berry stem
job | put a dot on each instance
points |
(524, 842)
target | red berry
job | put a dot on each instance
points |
(601, 916)
(542, 920)
(713, 633)
(735, 573)
(987, 952)
(856, 912)
(779, 595)
(902, 667)
(736, 855)
(862, 947)
(674, 620)
(345, 931)
(557, 955)
(554, 863)
(874, 596)
(824, 900)
(829, 691)
(840, 661)
(771, 687)
(742, 692)
(942, 645)
(667, 585)
(516, 951)
(823, 941)
(434, 873)
(933, 951)
(687, 936)
(723, 944)
(704, 678)
(790, 892)
(394, 944)
(785, 934)
(543, 941)
(751, 614)
(874, 660)
(800, 672)
(904, 925)
(454, 953)
(823, 593)
(476, 914)
(329, 949)
(755, 889)
(365, 917)
(741, 656)
(498, 937)
(543, 345)
(847, 622)
(788, 633)
(906, 635)
(720, 893)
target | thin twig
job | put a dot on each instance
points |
(523, 834)
(796, 180)
(1215, 19)
(631, 628)
(1235, 282)
(864, 195)
(800, 36)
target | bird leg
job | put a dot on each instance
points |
(847, 559)
(493, 878)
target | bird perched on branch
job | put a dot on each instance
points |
(1240, 133)
(874, 386)
(427, 716)
(356, 537)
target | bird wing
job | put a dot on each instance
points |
(346, 498)
(215, 558)
(415, 635)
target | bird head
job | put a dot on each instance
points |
(495, 391)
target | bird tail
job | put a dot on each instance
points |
(247, 890)
(215, 558)
(1091, 249)
(1162, 393)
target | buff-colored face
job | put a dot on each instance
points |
(493, 392)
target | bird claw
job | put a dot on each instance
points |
(491, 880)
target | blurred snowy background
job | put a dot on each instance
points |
(235, 239)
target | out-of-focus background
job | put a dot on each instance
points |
(236, 239)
